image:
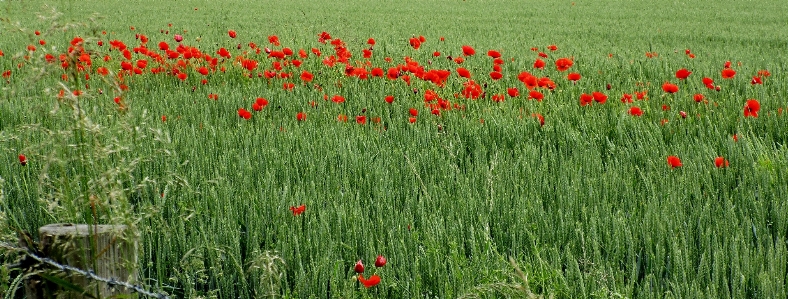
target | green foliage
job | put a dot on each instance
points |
(585, 204)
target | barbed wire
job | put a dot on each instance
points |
(87, 273)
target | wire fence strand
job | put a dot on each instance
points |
(90, 274)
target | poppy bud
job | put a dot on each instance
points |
(359, 268)
(22, 159)
(683, 114)
(178, 38)
(608, 86)
(380, 261)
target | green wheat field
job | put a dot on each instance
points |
(262, 148)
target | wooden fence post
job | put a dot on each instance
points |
(106, 249)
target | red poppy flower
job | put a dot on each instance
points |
(338, 99)
(513, 92)
(728, 73)
(498, 98)
(380, 261)
(22, 159)
(756, 80)
(539, 117)
(626, 98)
(707, 81)
(243, 113)
(674, 161)
(301, 116)
(371, 282)
(535, 95)
(223, 53)
(682, 74)
(721, 162)
(126, 66)
(182, 76)
(586, 99)
(406, 78)
(415, 43)
(563, 64)
(361, 119)
(543, 54)
(468, 50)
(751, 108)
(392, 73)
(413, 112)
(262, 102)
(389, 99)
(683, 114)
(274, 40)
(463, 72)
(496, 75)
(359, 267)
(307, 76)
(429, 95)
(436, 54)
(249, 64)
(635, 111)
(599, 97)
(529, 80)
(698, 97)
(411, 119)
(552, 47)
(142, 63)
(573, 77)
(371, 41)
(670, 88)
(298, 210)
(323, 37)
(545, 82)
(539, 64)
(377, 72)
(471, 90)
(493, 53)
(231, 33)
(288, 86)
(102, 71)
